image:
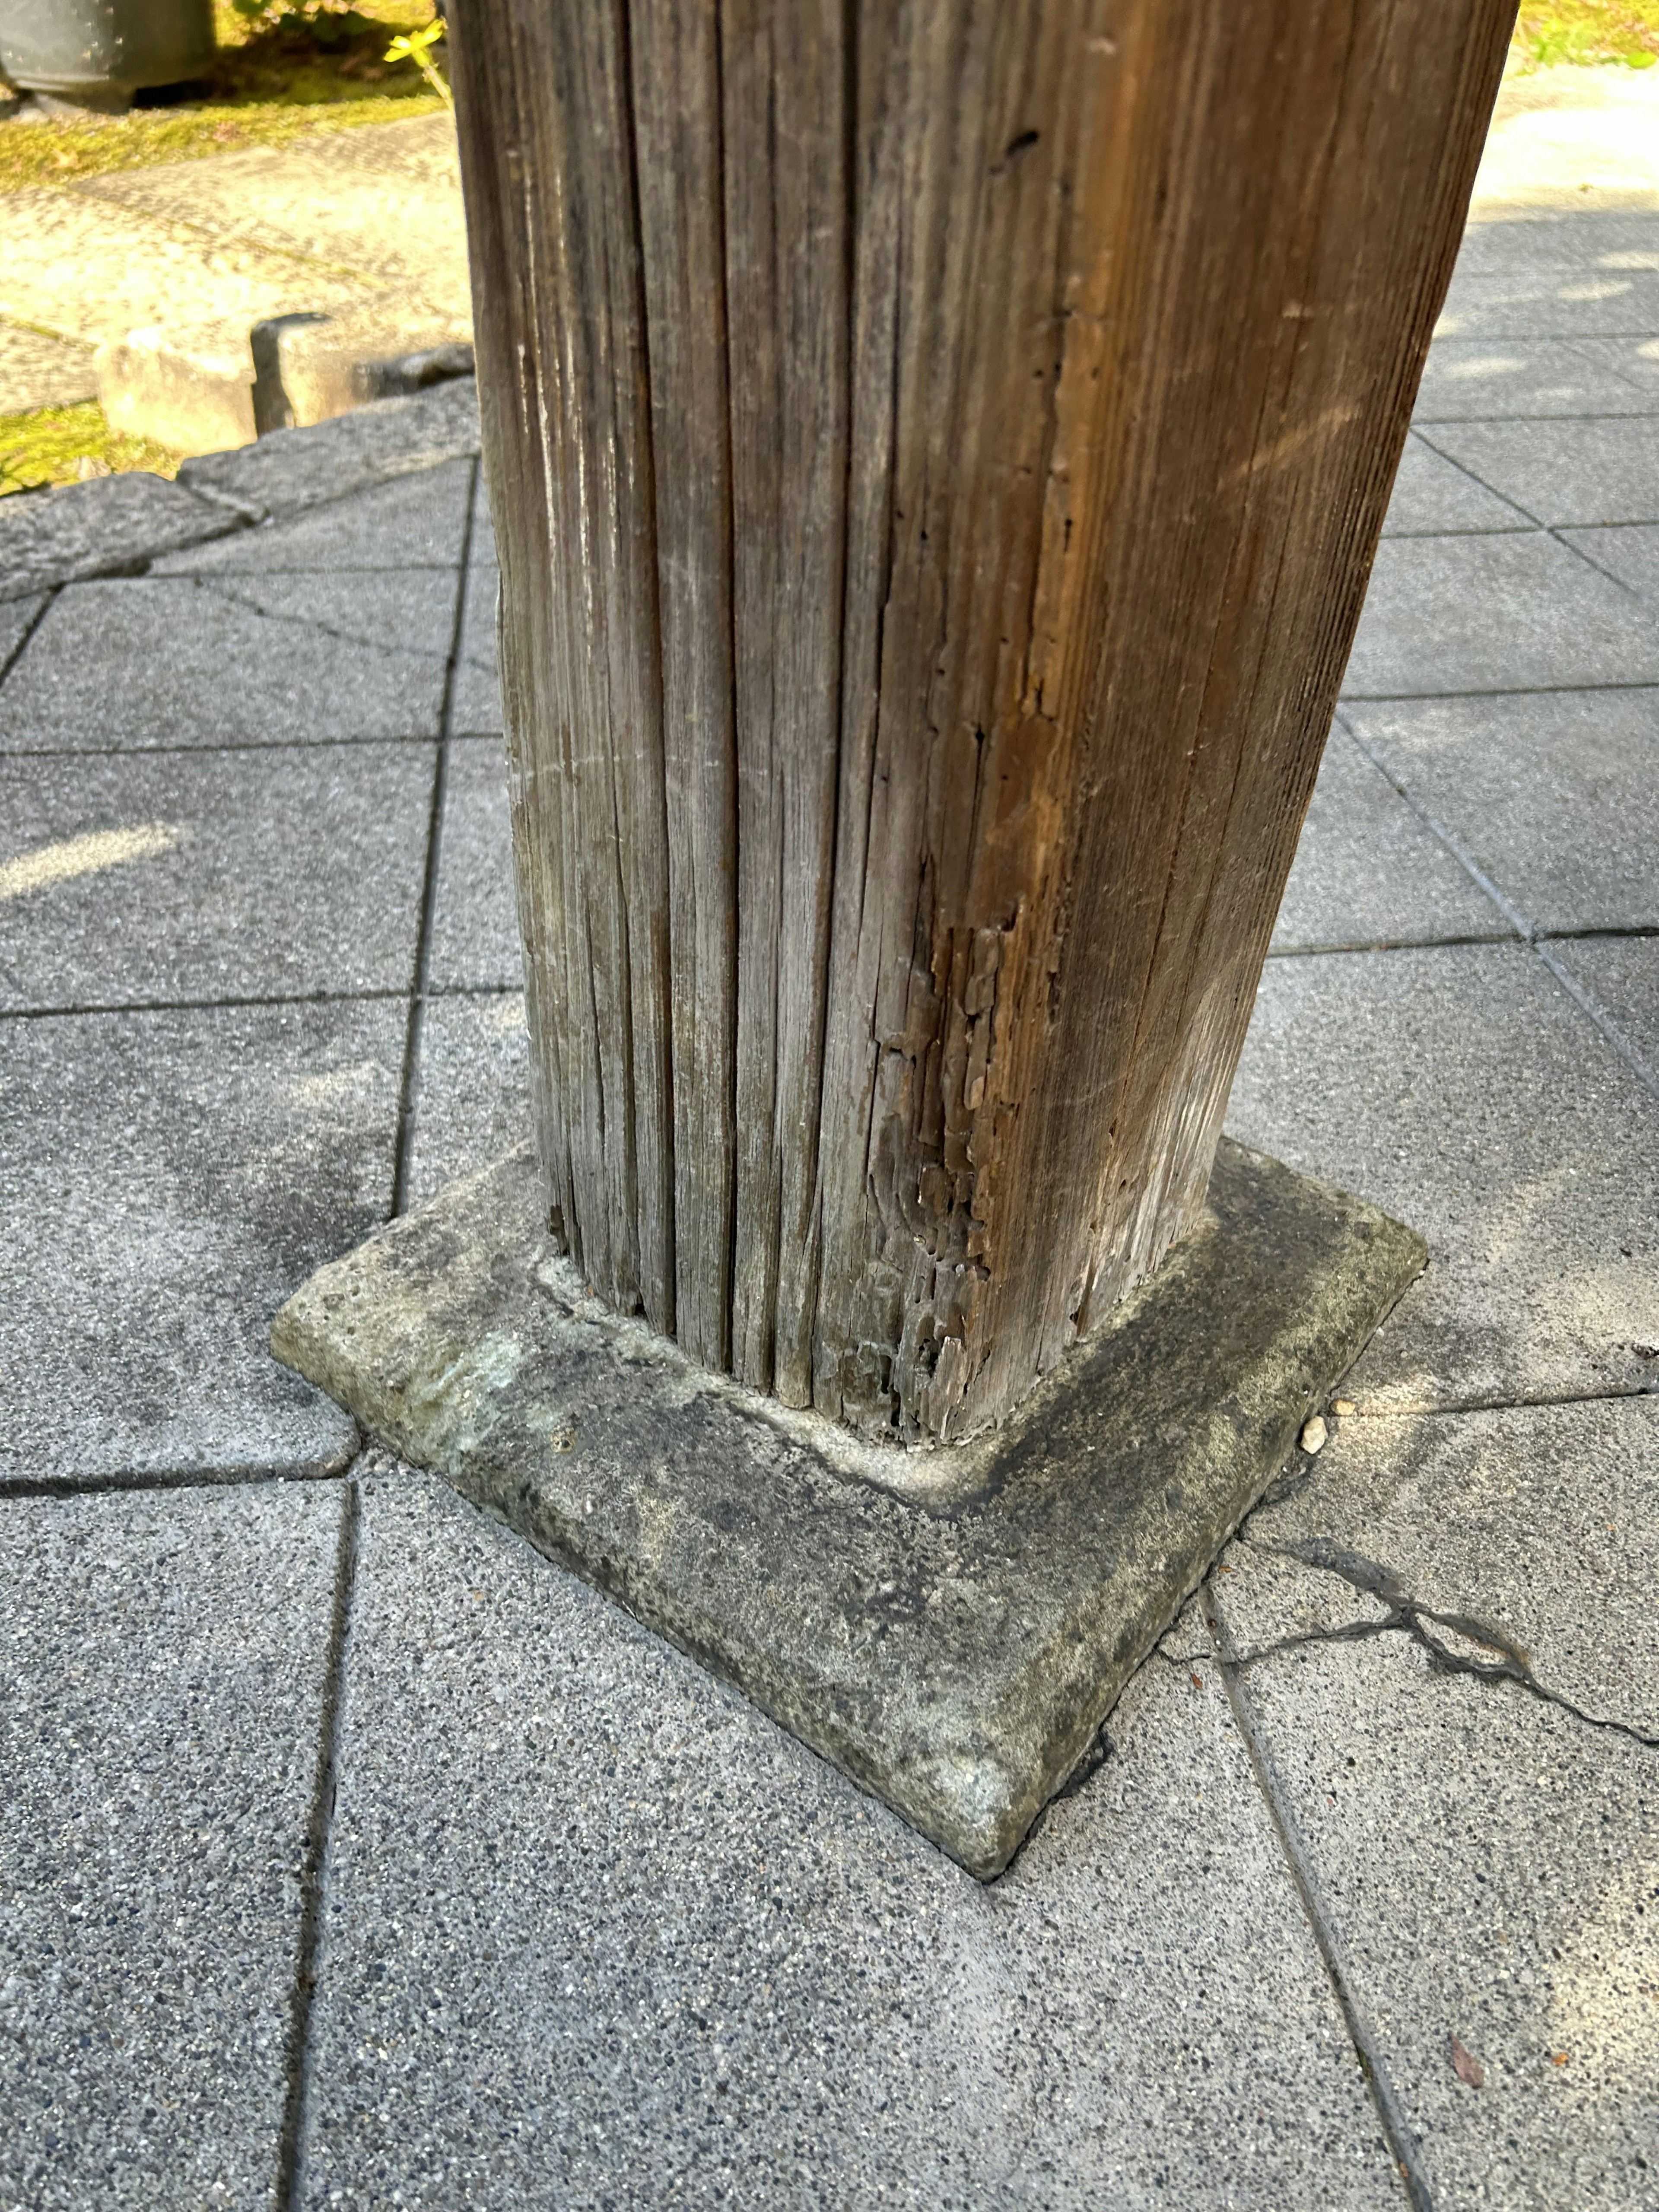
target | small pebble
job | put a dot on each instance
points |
(1313, 1434)
(1342, 1407)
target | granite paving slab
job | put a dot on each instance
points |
(1433, 496)
(1477, 380)
(597, 1934)
(128, 878)
(109, 527)
(1534, 1527)
(1369, 871)
(1623, 972)
(289, 470)
(172, 660)
(475, 916)
(1462, 1088)
(415, 521)
(1563, 472)
(1536, 240)
(165, 1663)
(1636, 359)
(476, 704)
(1556, 303)
(1628, 551)
(472, 1102)
(17, 618)
(1517, 612)
(1551, 794)
(166, 1178)
(409, 610)
(1485, 1863)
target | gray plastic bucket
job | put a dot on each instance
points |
(99, 52)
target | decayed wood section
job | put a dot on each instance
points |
(938, 448)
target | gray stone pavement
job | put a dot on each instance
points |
(353, 1856)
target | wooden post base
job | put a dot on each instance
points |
(950, 1627)
(937, 453)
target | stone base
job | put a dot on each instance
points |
(950, 1627)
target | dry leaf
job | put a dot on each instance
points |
(1558, 2058)
(1467, 2066)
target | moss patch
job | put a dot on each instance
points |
(1589, 31)
(59, 444)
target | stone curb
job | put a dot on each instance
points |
(116, 525)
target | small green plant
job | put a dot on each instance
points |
(416, 46)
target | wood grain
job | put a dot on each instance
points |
(938, 448)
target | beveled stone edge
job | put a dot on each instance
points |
(977, 1807)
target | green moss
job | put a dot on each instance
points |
(1587, 32)
(59, 445)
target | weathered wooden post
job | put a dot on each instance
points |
(938, 448)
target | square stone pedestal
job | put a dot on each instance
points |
(950, 1627)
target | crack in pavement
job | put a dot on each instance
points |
(1407, 1615)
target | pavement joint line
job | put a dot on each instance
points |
(29, 628)
(202, 1005)
(1485, 690)
(1464, 469)
(218, 589)
(1406, 1616)
(1627, 1049)
(408, 1089)
(370, 994)
(1585, 1000)
(1589, 930)
(1540, 337)
(150, 575)
(1554, 530)
(1514, 506)
(1455, 1409)
(1396, 2130)
(1551, 530)
(122, 1485)
(1524, 527)
(255, 745)
(1388, 945)
(1424, 422)
(1582, 348)
(313, 1882)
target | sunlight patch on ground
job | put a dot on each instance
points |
(85, 856)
